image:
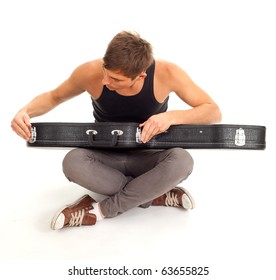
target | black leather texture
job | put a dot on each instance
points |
(126, 135)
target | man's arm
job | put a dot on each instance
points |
(203, 108)
(45, 102)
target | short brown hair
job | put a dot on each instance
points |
(129, 54)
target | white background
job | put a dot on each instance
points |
(228, 48)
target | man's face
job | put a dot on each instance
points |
(115, 81)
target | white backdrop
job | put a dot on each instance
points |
(227, 47)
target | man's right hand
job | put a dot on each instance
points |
(21, 125)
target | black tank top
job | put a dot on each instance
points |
(113, 107)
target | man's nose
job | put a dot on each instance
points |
(105, 80)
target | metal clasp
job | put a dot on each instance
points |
(138, 135)
(94, 132)
(117, 132)
(240, 137)
(33, 135)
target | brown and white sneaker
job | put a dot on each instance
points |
(177, 197)
(75, 214)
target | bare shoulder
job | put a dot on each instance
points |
(90, 69)
(163, 65)
(172, 73)
(167, 68)
(88, 76)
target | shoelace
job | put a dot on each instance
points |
(76, 218)
(171, 199)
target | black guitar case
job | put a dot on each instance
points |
(115, 135)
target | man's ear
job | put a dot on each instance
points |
(143, 75)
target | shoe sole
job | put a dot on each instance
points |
(189, 196)
(53, 222)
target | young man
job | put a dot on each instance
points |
(126, 85)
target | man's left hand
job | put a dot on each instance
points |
(156, 124)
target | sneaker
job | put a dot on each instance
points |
(177, 197)
(75, 214)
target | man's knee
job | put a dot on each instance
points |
(182, 159)
(71, 161)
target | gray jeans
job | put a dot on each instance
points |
(129, 178)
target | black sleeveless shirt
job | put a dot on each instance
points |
(113, 107)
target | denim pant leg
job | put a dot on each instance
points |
(154, 173)
(129, 178)
(101, 171)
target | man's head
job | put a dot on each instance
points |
(128, 54)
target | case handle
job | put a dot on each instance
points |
(114, 139)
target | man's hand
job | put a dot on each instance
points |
(156, 124)
(21, 125)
